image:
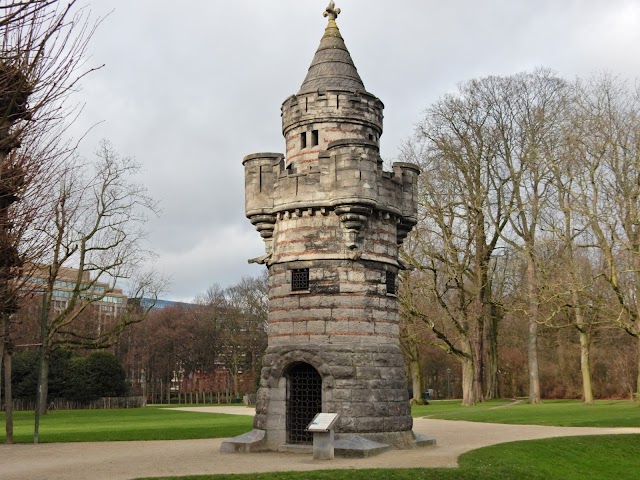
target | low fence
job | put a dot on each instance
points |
(101, 403)
(175, 398)
(192, 398)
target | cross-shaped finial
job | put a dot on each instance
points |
(332, 12)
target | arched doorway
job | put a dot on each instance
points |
(304, 401)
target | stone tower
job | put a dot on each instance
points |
(332, 221)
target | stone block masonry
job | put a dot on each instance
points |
(332, 220)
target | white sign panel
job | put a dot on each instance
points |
(322, 422)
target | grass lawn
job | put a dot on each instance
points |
(182, 405)
(162, 423)
(599, 457)
(572, 458)
(148, 423)
(562, 413)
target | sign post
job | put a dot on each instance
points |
(322, 428)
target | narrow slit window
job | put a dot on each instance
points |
(303, 140)
(299, 279)
(315, 139)
(391, 283)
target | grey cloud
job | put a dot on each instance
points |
(189, 88)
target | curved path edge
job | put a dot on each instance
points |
(127, 460)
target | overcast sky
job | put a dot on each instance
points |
(191, 87)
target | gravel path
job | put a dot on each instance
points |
(127, 460)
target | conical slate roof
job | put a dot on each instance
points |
(332, 67)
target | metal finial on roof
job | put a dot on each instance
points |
(332, 67)
(332, 12)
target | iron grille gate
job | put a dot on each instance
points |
(304, 401)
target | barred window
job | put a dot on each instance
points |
(299, 279)
(391, 283)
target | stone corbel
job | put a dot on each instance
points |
(265, 225)
(353, 219)
(404, 227)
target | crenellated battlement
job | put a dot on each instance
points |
(347, 179)
(359, 108)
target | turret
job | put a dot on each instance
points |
(332, 103)
(332, 127)
(333, 221)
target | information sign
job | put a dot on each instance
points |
(322, 422)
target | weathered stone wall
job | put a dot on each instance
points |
(320, 234)
(365, 384)
(345, 325)
(346, 303)
(331, 208)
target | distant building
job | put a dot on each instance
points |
(160, 304)
(109, 301)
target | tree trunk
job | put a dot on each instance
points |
(143, 381)
(1, 354)
(236, 389)
(585, 366)
(514, 385)
(532, 351)
(584, 332)
(483, 298)
(416, 377)
(468, 391)
(638, 366)
(478, 363)
(8, 396)
(493, 384)
(43, 389)
(532, 341)
(410, 353)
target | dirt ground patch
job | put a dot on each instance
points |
(126, 460)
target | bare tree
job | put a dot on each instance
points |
(41, 64)
(570, 290)
(527, 110)
(251, 296)
(411, 337)
(97, 227)
(486, 152)
(240, 315)
(224, 329)
(463, 203)
(570, 296)
(168, 342)
(607, 121)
